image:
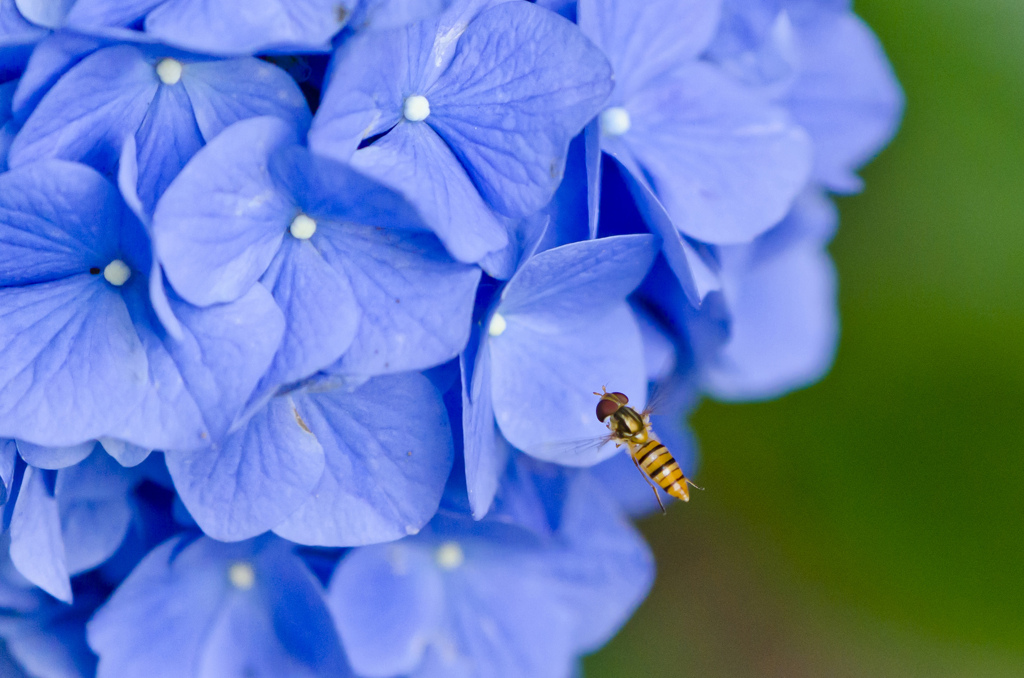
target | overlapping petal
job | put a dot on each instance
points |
(91, 353)
(255, 479)
(184, 611)
(488, 599)
(389, 450)
(726, 165)
(249, 27)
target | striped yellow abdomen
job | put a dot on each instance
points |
(657, 462)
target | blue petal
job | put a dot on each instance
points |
(320, 308)
(386, 14)
(413, 160)
(329, 190)
(660, 353)
(145, 629)
(254, 480)
(223, 352)
(510, 604)
(8, 456)
(265, 25)
(389, 452)
(54, 457)
(415, 300)
(220, 223)
(94, 511)
(697, 277)
(846, 96)
(224, 92)
(526, 237)
(43, 12)
(126, 454)
(726, 166)
(178, 614)
(285, 631)
(510, 107)
(128, 181)
(569, 208)
(37, 547)
(104, 13)
(41, 239)
(373, 72)
(386, 601)
(363, 95)
(592, 157)
(784, 325)
(90, 110)
(578, 281)
(167, 415)
(165, 140)
(417, 303)
(486, 452)
(606, 554)
(555, 371)
(51, 59)
(50, 642)
(14, 29)
(646, 40)
(71, 336)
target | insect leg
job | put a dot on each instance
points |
(648, 479)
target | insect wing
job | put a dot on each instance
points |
(576, 452)
(657, 400)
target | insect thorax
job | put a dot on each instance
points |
(627, 423)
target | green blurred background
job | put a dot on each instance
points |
(873, 525)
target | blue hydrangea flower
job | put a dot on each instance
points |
(253, 26)
(466, 598)
(82, 338)
(292, 310)
(559, 329)
(725, 164)
(348, 261)
(781, 294)
(41, 636)
(69, 521)
(325, 465)
(197, 607)
(80, 15)
(470, 128)
(825, 65)
(169, 104)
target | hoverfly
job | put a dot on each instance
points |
(633, 429)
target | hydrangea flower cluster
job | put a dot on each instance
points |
(303, 304)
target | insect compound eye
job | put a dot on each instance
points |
(606, 408)
(620, 397)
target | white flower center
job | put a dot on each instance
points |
(242, 576)
(615, 121)
(497, 326)
(303, 227)
(416, 108)
(117, 273)
(449, 555)
(169, 71)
